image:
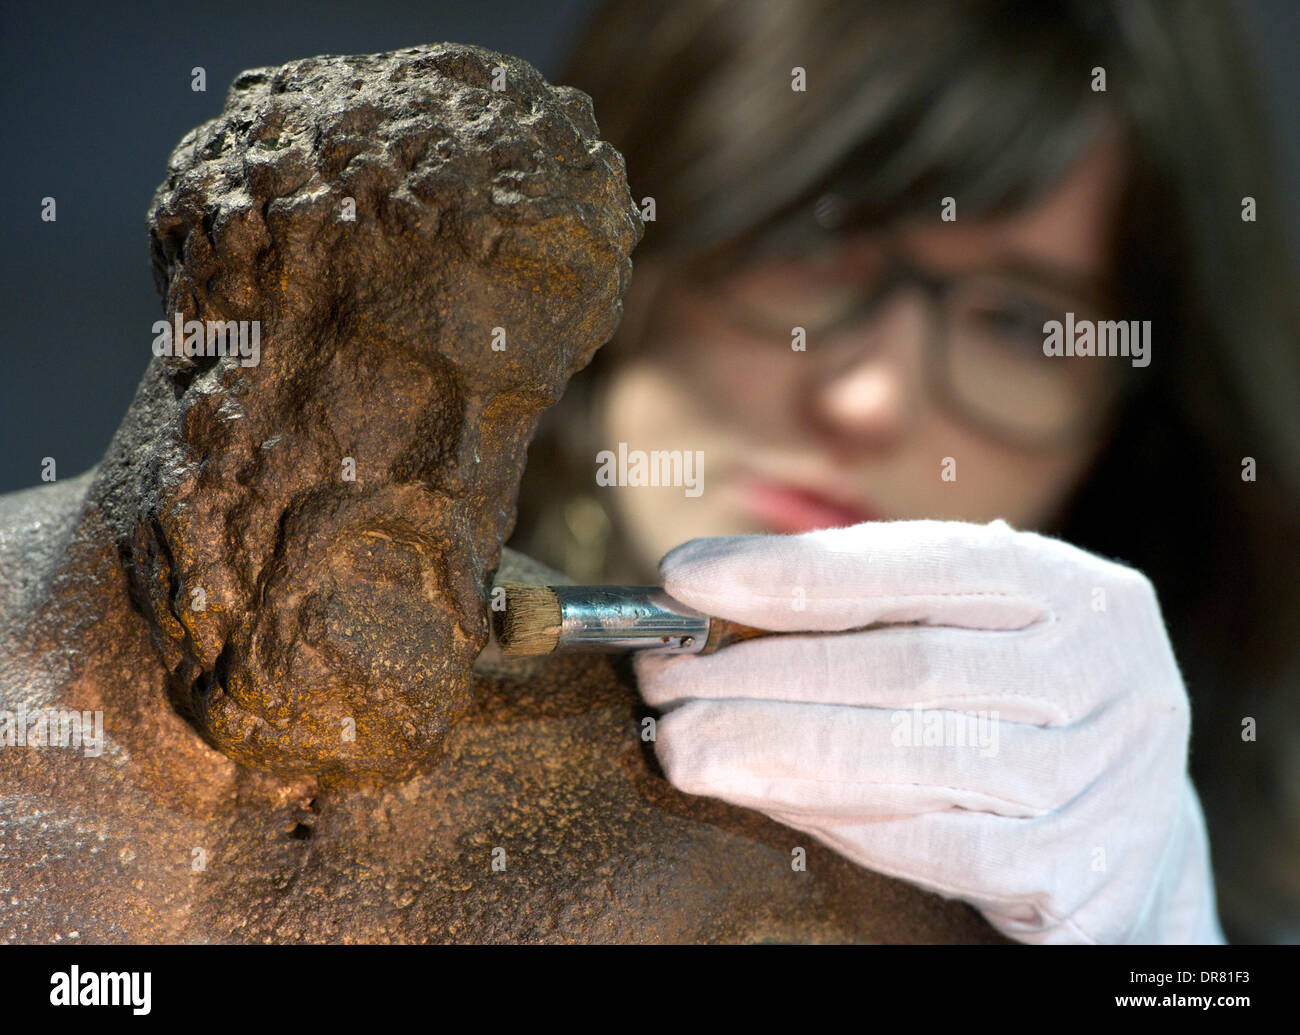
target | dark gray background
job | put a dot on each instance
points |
(94, 98)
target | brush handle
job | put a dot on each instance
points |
(628, 618)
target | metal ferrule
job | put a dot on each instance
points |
(628, 618)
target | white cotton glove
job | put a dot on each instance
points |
(1064, 814)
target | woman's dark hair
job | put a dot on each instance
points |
(990, 102)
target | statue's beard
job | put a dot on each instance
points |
(354, 659)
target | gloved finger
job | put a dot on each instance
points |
(1091, 872)
(936, 572)
(1017, 674)
(834, 764)
(1030, 876)
(989, 861)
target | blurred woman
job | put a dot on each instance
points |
(923, 190)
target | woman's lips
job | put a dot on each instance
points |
(789, 508)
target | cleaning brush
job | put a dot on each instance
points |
(546, 619)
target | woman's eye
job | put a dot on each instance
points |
(809, 306)
(1016, 323)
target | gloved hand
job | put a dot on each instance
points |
(1022, 746)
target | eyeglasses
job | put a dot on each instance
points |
(984, 343)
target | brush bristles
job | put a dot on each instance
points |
(530, 624)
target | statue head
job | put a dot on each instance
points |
(417, 250)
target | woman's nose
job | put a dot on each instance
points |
(867, 394)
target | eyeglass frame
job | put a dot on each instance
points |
(898, 273)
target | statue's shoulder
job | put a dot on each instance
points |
(34, 527)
